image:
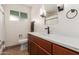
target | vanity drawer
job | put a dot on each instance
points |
(42, 43)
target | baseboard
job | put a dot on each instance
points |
(11, 46)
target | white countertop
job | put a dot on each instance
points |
(68, 42)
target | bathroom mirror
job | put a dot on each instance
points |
(51, 13)
(51, 10)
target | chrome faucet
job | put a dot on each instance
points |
(48, 30)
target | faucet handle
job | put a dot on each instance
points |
(47, 27)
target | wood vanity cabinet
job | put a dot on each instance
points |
(39, 46)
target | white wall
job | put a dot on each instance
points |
(62, 25)
(69, 27)
(2, 32)
(35, 16)
(14, 28)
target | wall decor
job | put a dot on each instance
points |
(72, 13)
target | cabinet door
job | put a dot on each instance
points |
(37, 50)
(59, 50)
(33, 49)
(42, 43)
(41, 51)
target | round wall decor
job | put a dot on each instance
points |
(71, 13)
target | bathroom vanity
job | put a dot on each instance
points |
(40, 44)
